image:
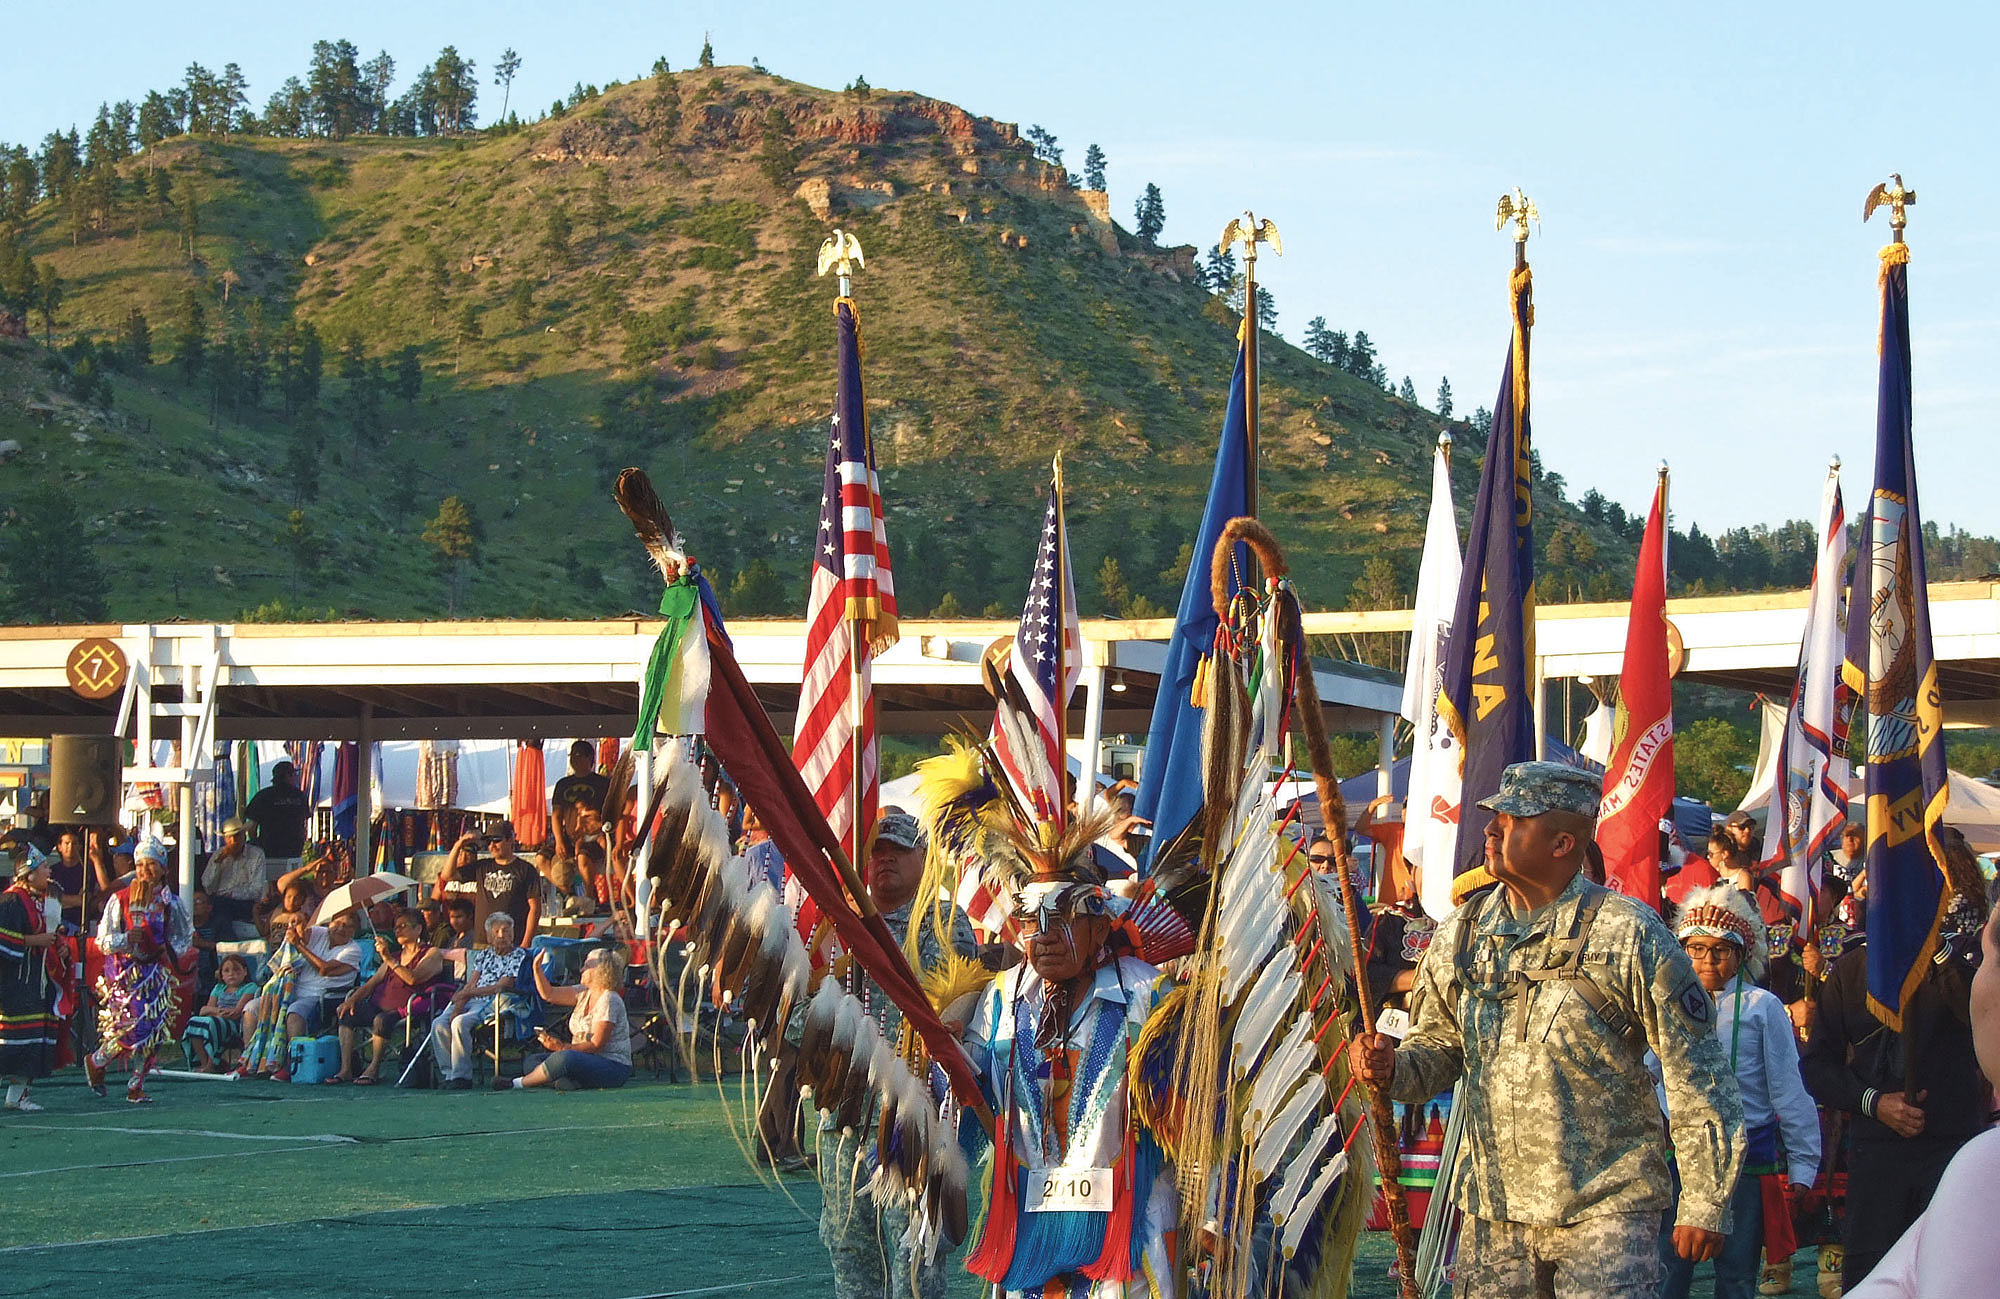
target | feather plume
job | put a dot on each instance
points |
(642, 505)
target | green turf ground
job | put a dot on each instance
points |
(252, 1189)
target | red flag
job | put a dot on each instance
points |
(1639, 780)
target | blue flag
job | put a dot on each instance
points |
(1485, 701)
(1896, 736)
(1170, 781)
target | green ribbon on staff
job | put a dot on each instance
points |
(680, 605)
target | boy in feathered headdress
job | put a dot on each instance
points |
(1080, 1194)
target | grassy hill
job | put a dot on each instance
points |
(632, 283)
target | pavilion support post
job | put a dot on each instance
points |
(1088, 761)
(1539, 683)
(364, 793)
(1385, 756)
(185, 807)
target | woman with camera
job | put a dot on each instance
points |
(599, 1050)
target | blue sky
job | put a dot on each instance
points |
(1705, 287)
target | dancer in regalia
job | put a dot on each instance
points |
(1082, 1200)
(143, 931)
(31, 956)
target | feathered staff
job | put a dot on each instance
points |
(1333, 811)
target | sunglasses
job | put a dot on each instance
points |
(1320, 858)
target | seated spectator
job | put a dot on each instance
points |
(409, 963)
(491, 974)
(295, 896)
(236, 876)
(599, 1050)
(455, 933)
(307, 977)
(207, 932)
(218, 1025)
(559, 885)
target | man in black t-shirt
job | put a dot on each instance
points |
(583, 789)
(280, 811)
(506, 882)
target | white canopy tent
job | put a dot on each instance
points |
(1974, 807)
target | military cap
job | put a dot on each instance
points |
(1532, 788)
(901, 829)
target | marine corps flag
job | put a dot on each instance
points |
(1484, 701)
(1893, 682)
(1639, 779)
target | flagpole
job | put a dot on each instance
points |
(1250, 232)
(1087, 767)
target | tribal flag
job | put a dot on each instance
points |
(1484, 702)
(1431, 810)
(1639, 779)
(1170, 779)
(1808, 806)
(1893, 681)
(850, 613)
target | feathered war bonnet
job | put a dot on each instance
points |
(1726, 912)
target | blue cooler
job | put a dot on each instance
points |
(315, 1059)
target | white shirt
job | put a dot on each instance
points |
(240, 877)
(1952, 1249)
(1766, 1056)
(311, 983)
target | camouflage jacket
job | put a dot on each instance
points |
(1563, 1121)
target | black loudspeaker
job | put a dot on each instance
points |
(84, 773)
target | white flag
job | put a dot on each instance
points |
(1809, 792)
(1430, 816)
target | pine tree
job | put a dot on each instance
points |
(707, 59)
(1094, 163)
(53, 574)
(1361, 356)
(1045, 146)
(409, 381)
(1408, 392)
(137, 343)
(503, 77)
(1149, 215)
(1113, 592)
(48, 300)
(454, 536)
(192, 342)
(1444, 398)
(468, 329)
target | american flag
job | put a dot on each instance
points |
(1027, 727)
(853, 600)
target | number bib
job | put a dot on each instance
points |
(1051, 1190)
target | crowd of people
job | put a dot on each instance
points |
(272, 953)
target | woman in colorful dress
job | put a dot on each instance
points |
(30, 951)
(142, 933)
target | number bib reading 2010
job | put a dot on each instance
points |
(1054, 1189)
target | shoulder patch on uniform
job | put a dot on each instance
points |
(1695, 1003)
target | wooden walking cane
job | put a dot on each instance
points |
(1333, 811)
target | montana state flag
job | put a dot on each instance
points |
(1485, 700)
(1892, 679)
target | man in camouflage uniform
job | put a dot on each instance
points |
(1545, 995)
(861, 1236)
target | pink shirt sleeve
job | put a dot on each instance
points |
(1953, 1240)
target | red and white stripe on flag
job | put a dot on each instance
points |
(1048, 640)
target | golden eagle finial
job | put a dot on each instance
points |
(839, 250)
(1894, 196)
(1250, 232)
(1520, 209)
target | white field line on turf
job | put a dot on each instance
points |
(254, 1226)
(148, 1163)
(333, 1138)
(323, 1143)
(724, 1289)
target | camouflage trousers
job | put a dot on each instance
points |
(862, 1237)
(1612, 1256)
